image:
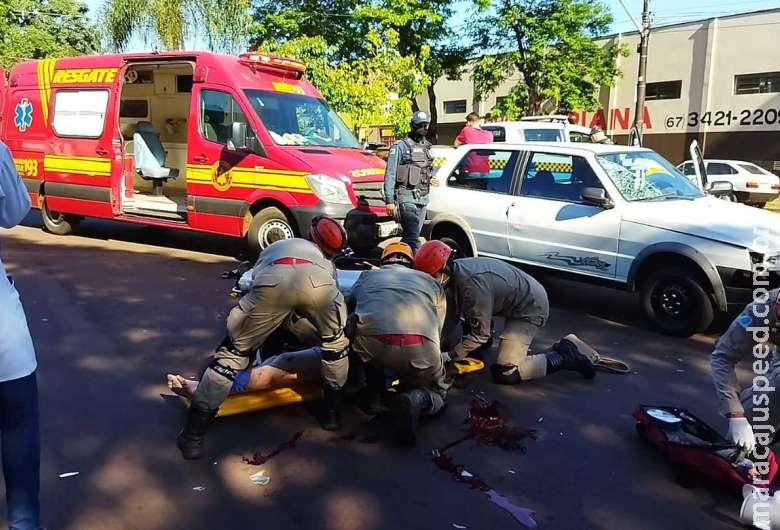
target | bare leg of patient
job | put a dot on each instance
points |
(281, 370)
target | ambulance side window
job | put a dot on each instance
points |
(218, 112)
(80, 113)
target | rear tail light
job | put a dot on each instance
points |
(751, 184)
(776, 186)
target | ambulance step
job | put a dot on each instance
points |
(141, 212)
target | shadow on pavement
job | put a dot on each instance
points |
(109, 320)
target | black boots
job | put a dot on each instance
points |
(331, 410)
(407, 409)
(191, 438)
(505, 374)
(566, 356)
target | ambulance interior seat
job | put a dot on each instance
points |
(149, 157)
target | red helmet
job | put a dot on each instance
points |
(328, 234)
(432, 257)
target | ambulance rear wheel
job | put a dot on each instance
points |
(58, 223)
(269, 225)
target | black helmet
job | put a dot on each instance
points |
(420, 117)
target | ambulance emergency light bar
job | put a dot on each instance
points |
(261, 60)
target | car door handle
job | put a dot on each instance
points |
(101, 151)
(202, 159)
(509, 208)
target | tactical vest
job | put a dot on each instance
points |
(414, 171)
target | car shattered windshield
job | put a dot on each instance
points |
(293, 119)
(646, 175)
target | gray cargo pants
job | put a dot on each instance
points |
(416, 366)
(280, 295)
(513, 348)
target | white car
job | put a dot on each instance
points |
(751, 184)
(618, 215)
(538, 129)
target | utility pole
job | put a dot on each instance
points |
(644, 41)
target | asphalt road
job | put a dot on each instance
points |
(115, 308)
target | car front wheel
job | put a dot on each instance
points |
(675, 302)
(58, 223)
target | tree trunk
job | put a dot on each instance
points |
(433, 134)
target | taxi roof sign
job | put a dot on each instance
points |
(257, 59)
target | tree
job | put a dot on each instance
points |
(168, 23)
(423, 35)
(364, 89)
(549, 43)
(36, 29)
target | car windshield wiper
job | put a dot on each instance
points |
(664, 197)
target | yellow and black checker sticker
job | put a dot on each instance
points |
(552, 167)
(498, 163)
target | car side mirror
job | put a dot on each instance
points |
(239, 136)
(597, 196)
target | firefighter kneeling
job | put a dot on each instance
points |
(398, 318)
(487, 287)
(292, 279)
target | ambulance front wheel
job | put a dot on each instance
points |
(268, 226)
(58, 223)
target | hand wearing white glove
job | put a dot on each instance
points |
(741, 433)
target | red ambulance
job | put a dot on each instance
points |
(241, 146)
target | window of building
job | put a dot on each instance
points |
(757, 83)
(558, 177)
(719, 168)
(455, 106)
(664, 90)
(80, 113)
(485, 170)
(218, 112)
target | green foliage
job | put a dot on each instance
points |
(167, 23)
(416, 48)
(548, 45)
(364, 90)
(36, 29)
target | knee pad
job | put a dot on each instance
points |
(337, 355)
(225, 371)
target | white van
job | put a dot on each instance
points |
(538, 129)
(623, 216)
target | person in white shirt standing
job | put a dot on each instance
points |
(19, 424)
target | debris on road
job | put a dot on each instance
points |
(69, 474)
(459, 526)
(258, 459)
(199, 488)
(486, 422)
(261, 478)
(521, 515)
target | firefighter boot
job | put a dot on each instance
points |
(191, 438)
(505, 374)
(330, 419)
(566, 356)
(407, 409)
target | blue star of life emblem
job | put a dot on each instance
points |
(23, 115)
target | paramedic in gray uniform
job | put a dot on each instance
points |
(753, 412)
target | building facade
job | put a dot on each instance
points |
(715, 80)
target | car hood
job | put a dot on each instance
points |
(355, 164)
(710, 218)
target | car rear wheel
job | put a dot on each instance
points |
(457, 241)
(269, 225)
(675, 302)
(58, 223)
